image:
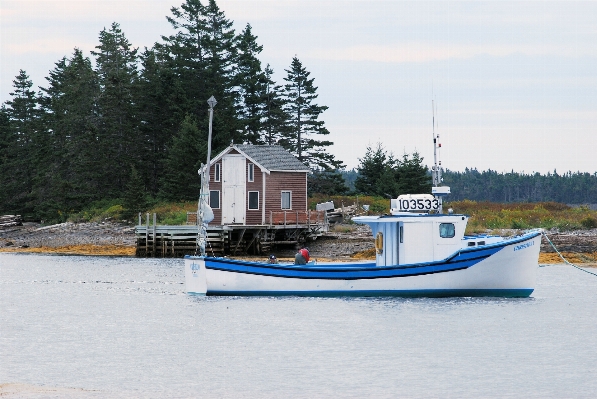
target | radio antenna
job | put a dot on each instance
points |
(436, 170)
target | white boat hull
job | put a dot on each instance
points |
(509, 271)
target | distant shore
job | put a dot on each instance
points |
(115, 239)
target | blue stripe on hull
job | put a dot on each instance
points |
(462, 259)
(363, 271)
(504, 293)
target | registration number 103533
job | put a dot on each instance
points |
(420, 202)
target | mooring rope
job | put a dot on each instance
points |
(564, 259)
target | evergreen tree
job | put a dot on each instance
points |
(119, 142)
(304, 125)
(20, 163)
(275, 119)
(157, 124)
(326, 182)
(202, 58)
(252, 87)
(382, 175)
(6, 142)
(413, 177)
(221, 60)
(184, 157)
(135, 196)
(70, 117)
(373, 166)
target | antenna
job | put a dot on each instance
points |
(436, 170)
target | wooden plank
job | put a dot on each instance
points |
(239, 240)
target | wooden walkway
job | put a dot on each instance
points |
(176, 241)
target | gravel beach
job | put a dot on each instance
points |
(343, 242)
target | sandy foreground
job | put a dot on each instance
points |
(344, 243)
(17, 390)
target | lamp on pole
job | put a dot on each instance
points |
(204, 211)
(212, 103)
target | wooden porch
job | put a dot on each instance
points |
(291, 228)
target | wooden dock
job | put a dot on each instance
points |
(288, 228)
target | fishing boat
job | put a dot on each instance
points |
(420, 251)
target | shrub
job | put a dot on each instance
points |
(519, 224)
(589, 222)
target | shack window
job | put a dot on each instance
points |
(214, 199)
(447, 230)
(251, 173)
(286, 200)
(217, 172)
(253, 199)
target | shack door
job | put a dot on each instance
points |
(233, 189)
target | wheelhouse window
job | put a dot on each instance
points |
(253, 199)
(251, 172)
(447, 230)
(214, 199)
(217, 172)
(286, 200)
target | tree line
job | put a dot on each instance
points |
(382, 174)
(126, 119)
(489, 185)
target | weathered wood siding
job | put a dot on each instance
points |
(276, 182)
(216, 185)
(254, 215)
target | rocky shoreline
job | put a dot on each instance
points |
(343, 242)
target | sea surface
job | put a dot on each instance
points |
(124, 328)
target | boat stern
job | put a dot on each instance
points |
(195, 276)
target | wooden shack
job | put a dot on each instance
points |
(252, 184)
(259, 197)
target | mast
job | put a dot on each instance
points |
(436, 170)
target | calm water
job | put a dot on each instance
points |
(119, 327)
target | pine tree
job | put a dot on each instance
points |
(275, 118)
(372, 167)
(304, 125)
(119, 142)
(252, 87)
(326, 182)
(221, 60)
(202, 57)
(135, 197)
(157, 123)
(413, 176)
(180, 180)
(6, 142)
(71, 119)
(21, 151)
(382, 175)
(184, 54)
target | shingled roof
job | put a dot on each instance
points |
(271, 157)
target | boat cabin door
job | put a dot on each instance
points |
(388, 245)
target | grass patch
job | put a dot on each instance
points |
(343, 228)
(172, 213)
(99, 211)
(490, 215)
(167, 213)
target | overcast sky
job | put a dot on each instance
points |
(515, 83)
